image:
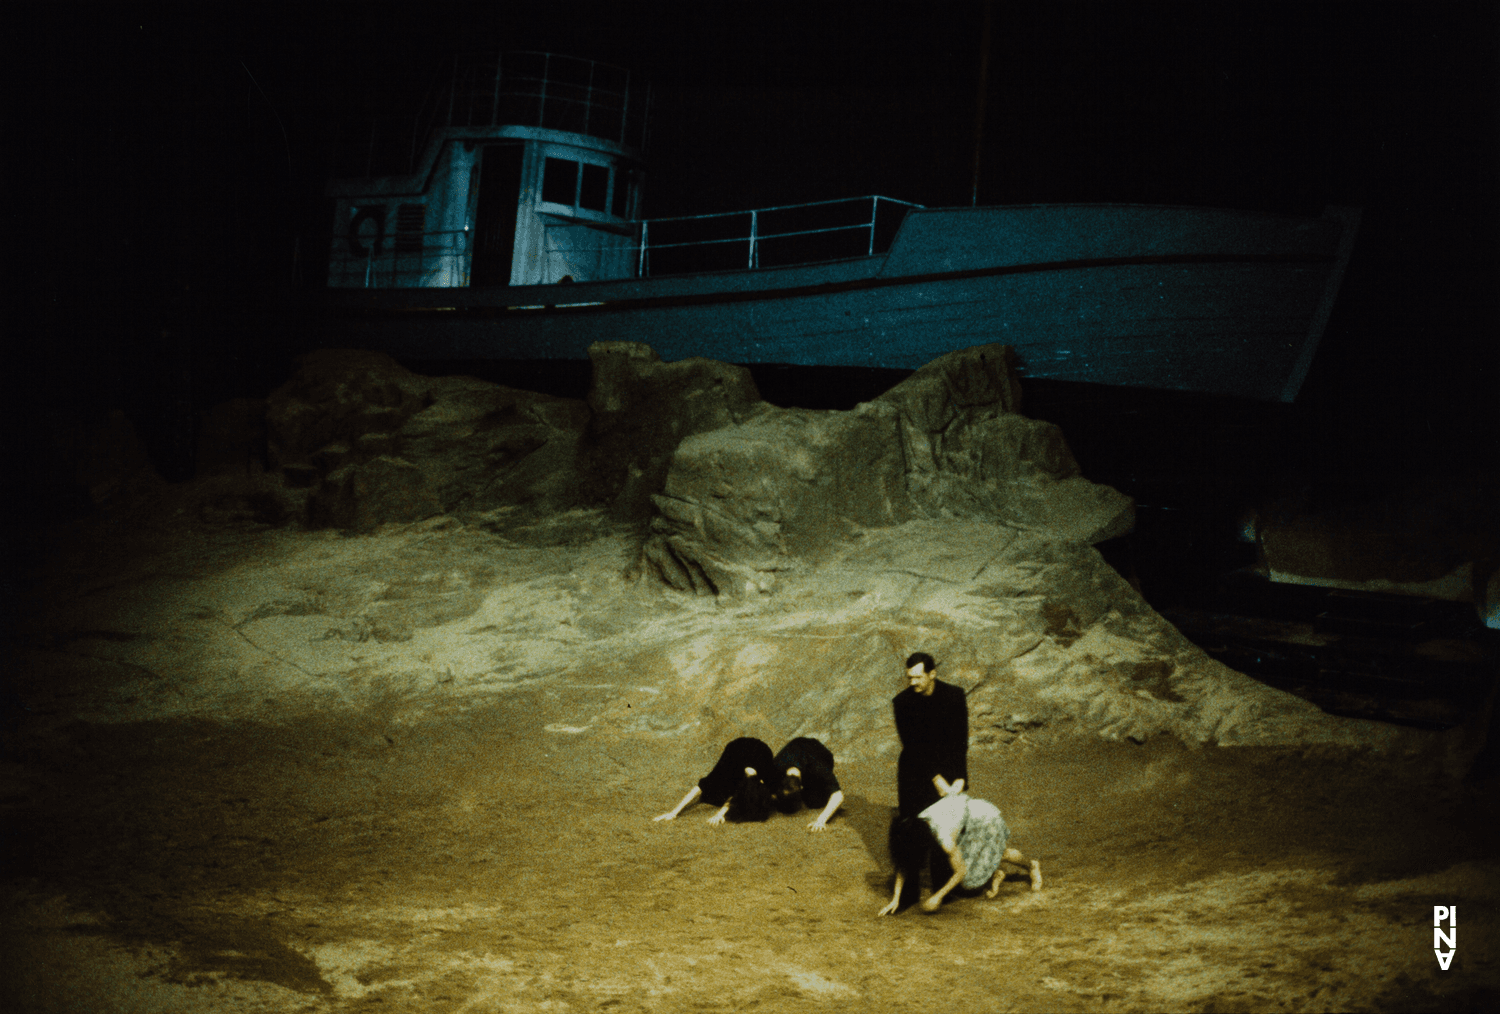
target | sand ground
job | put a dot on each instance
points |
(474, 861)
(255, 769)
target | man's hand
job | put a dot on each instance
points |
(666, 816)
(817, 825)
(717, 818)
(944, 789)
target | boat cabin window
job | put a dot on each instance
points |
(586, 185)
(593, 190)
(560, 181)
(621, 203)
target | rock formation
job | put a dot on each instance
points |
(785, 487)
(1435, 538)
(373, 442)
(740, 490)
(641, 409)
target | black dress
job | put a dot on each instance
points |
(746, 752)
(815, 761)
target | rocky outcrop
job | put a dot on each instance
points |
(641, 409)
(971, 454)
(1436, 538)
(783, 488)
(373, 442)
(736, 490)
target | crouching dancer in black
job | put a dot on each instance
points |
(973, 836)
(737, 784)
(807, 778)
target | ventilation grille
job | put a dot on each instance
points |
(411, 219)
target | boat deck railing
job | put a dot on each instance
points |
(781, 236)
(548, 90)
(777, 236)
(519, 88)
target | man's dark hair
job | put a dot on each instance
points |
(788, 795)
(751, 801)
(922, 656)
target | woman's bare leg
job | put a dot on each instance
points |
(1030, 865)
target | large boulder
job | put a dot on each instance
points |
(741, 504)
(373, 442)
(641, 409)
(785, 487)
(969, 453)
(1438, 537)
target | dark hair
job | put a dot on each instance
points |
(924, 658)
(788, 795)
(751, 800)
(910, 841)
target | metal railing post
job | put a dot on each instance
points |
(640, 266)
(541, 109)
(625, 109)
(874, 213)
(752, 240)
(452, 89)
(495, 95)
(588, 99)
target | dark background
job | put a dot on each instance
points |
(166, 164)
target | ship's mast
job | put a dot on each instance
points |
(984, 81)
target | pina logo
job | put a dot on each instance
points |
(1444, 938)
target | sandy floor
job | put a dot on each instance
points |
(288, 792)
(474, 862)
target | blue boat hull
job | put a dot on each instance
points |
(1188, 299)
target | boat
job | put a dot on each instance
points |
(509, 231)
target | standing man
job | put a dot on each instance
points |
(932, 719)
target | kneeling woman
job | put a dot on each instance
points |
(807, 779)
(970, 831)
(737, 784)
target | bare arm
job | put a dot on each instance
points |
(687, 801)
(834, 802)
(895, 896)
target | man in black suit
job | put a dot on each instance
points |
(932, 719)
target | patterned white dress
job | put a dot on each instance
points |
(979, 830)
